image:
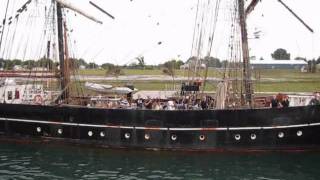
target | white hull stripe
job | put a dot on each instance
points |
(159, 128)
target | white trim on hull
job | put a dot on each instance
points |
(160, 128)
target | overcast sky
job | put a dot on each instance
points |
(140, 24)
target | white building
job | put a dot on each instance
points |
(278, 64)
(17, 68)
(81, 67)
(39, 69)
(186, 66)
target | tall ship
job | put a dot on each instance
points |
(231, 120)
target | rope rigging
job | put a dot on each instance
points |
(3, 24)
(230, 91)
(203, 36)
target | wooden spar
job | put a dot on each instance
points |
(63, 74)
(254, 3)
(251, 6)
(67, 4)
(295, 15)
(100, 9)
(245, 54)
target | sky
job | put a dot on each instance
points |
(140, 25)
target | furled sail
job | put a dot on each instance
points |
(67, 4)
(105, 88)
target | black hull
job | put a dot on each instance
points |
(294, 128)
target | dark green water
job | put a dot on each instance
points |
(35, 161)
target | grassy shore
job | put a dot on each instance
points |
(266, 80)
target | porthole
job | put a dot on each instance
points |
(174, 137)
(90, 133)
(128, 135)
(38, 129)
(253, 136)
(237, 137)
(60, 131)
(299, 133)
(280, 134)
(147, 136)
(202, 137)
(102, 134)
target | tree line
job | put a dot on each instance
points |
(7, 64)
(81, 64)
(139, 63)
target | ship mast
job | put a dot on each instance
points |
(245, 54)
(64, 75)
(62, 43)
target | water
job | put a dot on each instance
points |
(25, 161)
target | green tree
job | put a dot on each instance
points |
(179, 63)
(76, 63)
(312, 66)
(29, 64)
(192, 58)
(300, 58)
(114, 71)
(8, 65)
(92, 65)
(46, 63)
(224, 63)
(82, 62)
(17, 62)
(173, 64)
(107, 65)
(212, 62)
(2, 63)
(169, 69)
(280, 54)
(133, 65)
(318, 60)
(141, 62)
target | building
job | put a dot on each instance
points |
(39, 69)
(187, 66)
(278, 64)
(82, 67)
(17, 68)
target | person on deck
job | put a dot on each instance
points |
(156, 105)
(274, 102)
(139, 102)
(285, 102)
(204, 103)
(315, 100)
(148, 103)
(170, 105)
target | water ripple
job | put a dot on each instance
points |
(41, 162)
